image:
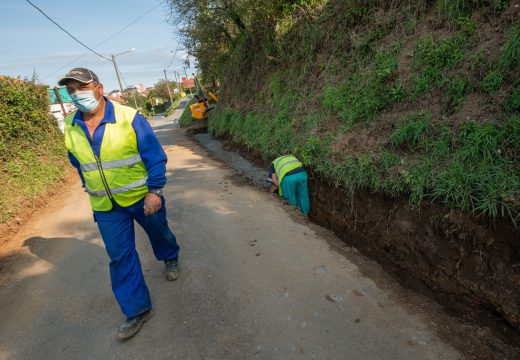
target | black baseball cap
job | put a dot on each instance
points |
(79, 74)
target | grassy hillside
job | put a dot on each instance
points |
(420, 99)
(32, 156)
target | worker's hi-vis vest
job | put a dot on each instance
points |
(282, 165)
(119, 172)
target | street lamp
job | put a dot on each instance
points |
(116, 68)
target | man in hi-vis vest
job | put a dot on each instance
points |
(289, 177)
(123, 169)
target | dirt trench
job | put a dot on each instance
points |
(469, 266)
(472, 269)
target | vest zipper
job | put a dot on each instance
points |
(103, 179)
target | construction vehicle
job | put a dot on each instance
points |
(200, 110)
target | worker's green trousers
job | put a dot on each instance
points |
(296, 191)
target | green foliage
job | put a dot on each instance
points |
(478, 142)
(453, 9)
(467, 26)
(474, 174)
(512, 136)
(313, 65)
(410, 25)
(510, 57)
(434, 60)
(364, 94)
(513, 103)
(481, 188)
(500, 5)
(186, 119)
(492, 81)
(457, 88)
(414, 127)
(171, 109)
(32, 156)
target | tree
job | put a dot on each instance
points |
(160, 89)
(212, 29)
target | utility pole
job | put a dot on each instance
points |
(177, 77)
(58, 97)
(185, 73)
(135, 101)
(117, 73)
(168, 87)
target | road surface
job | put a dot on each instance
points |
(258, 281)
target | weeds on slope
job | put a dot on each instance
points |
(365, 93)
(472, 170)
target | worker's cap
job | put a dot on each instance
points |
(79, 74)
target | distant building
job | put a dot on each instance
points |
(187, 83)
(116, 96)
(60, 104)
(140, 88)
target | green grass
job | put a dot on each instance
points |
(492, 81)
(173, 106)
(433, 61)
(186, 119)
(458, 88)
(412, 130)
(453, 9)
(364, 94)
(513, 103)
(510, 57)
(471, 170)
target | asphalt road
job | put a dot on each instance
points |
(258, 281)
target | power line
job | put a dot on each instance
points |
(68, 33)
(108, 38)
(173, 57)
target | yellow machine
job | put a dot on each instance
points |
(200, 110)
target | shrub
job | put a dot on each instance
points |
(31, 146)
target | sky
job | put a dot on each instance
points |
(30, 42)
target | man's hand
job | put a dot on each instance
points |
(152, 204)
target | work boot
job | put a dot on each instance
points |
(133, 325)
(172, 269)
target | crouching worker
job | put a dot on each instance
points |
(123, 169)
(289, 177)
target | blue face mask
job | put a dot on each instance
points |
(85, 101)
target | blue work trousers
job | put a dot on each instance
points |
(296, 191)
(118, 233)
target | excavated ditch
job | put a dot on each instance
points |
(472, 268)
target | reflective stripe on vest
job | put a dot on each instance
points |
(282, 166)
(112, 164)
(118, 173)
(118, 190)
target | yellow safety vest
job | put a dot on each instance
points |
(282, 165)
(119, 172)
